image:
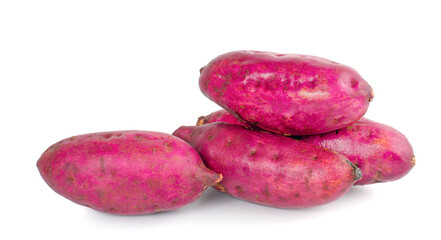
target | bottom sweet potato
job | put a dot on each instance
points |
(270, 169)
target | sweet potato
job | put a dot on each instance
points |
(270, 169)
(126, 172)
(381, 152)
(286, 93)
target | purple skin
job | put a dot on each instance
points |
(126, 172)
(270, 169)
(286, 93)
(381, 152)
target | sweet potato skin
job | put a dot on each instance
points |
(286, 93)
(126, 172)
(270, 169)
(380, 151)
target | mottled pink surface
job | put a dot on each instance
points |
(381, 152)
(126, 172)
(286, 93)
(220, 116)
(270, 169)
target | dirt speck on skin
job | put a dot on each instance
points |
(266, 191)
(168, 147)
(307, 179)
(102, 166)
(69, 180)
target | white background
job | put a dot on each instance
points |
(74, 67)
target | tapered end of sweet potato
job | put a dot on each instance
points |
(184, 132)
(358, 174)
(371, 97)
(201, 121)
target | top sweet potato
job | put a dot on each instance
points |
(286, 93)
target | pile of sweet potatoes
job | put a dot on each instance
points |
(291, 135)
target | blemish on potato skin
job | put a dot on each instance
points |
(282, 199)
(107, 136)
(100, 194)
(252, 153)
(308, 176)
(102, 167)
(266, 191)
(354, 83)
(168, 147)
(49, 171)
(378, 175)
(69, 180)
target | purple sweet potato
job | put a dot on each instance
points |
(381, 152)
(126, 172)
(286, 93)
(270, 169)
